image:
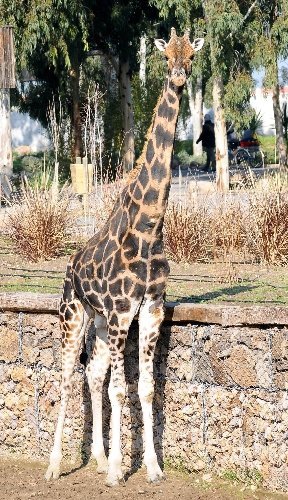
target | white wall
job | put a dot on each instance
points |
(261, 101)
(28, 132)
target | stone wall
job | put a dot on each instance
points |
(220, 403)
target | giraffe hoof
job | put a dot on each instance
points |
(102, 466)
(53, 472)
(115, 480)
(102, 462)
(156, 476)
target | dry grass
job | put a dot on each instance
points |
(186, 233)
(267, 235)
(248, 225)
(227, 228)
(38, 221)
(245, 226)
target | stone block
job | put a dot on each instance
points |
(231, 357)
(279, 340)
(9, 337)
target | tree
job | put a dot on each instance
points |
(116, 31)
(272, 44)
(51, 38)
(227, 27)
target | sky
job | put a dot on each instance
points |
(283, 74)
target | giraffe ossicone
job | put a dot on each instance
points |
(120, 272)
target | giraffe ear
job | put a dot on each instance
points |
(198, 44)
(160, 44)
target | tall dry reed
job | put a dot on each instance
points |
(267, 232)
(38, 222)
(186, 234)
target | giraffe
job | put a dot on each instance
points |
(120, 272)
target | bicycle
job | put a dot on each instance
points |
(246, 157)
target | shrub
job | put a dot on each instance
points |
(228, 228)
(38, 221)
(186, 234)
(268, 230)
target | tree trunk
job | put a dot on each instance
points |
(280, 139)
(127, 116)
(195, 100)
(76, 149)
(142, 57)
(6, 162)
(222, 163)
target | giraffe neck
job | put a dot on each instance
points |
(155, 170)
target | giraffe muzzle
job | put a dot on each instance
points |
(178, 76)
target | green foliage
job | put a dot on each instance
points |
(246, 476)
(176, 463)
(184, 157)
(57, 26)
(255, 122)
(271, 30)
(267, 143)
(180, 146)
(236, 100)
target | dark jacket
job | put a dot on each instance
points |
(207, 135)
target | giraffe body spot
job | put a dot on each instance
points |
(151, 197)
(145, 223)
(158, 170)
(114, 320)
(159, 268)
(86, 285)
(157, 247)
(131, 246)
(150, 151)
(144, 249)
(156, 289)
(138, 291)
(171, 98)
(127, 285)
(110, 248)
(163, 136)
(140, 269)
(166, 111)
(122, 226)
(123, 305)
(115, 289)
(137, 193)
(95, 302)
(133, 211)
(78, 285)
(108, 303)
(143, 177)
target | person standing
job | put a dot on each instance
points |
(207, 137)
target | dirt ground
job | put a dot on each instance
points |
(24, 480)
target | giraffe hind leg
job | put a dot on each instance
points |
(73, 322)
(96, 372)
(118, 325)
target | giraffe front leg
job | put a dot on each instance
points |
(73, 322)
(150, 318)
(96, 372)
(118, 326)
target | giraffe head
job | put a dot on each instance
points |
(179, 52)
